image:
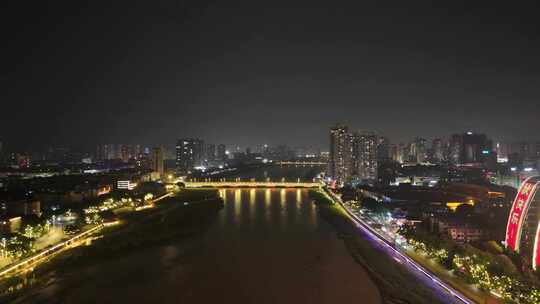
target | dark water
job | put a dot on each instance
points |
(265, 246)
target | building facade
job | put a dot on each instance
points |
(352, 155)
(189, 154)
(157, 161)
(470, 148)
(364, 155)
(221, 152)
(340, 162)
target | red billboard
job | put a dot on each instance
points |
(519, 212)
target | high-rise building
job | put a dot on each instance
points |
(437, 151)
(101, 152)
(143, 161)
(398, 152)
(470, 148)
(340, 162)
(526, 150)
(114, 151)
(189, 154)
(221, 152)
(210, 152)
(503, 151)
(383, 149)
(125, 153)
(108, 152)
(418, 151)
(353, 156)
(199, 151)
(393, 151)
(157, 160)
(117, 151)
(136, 151)
(520, 154)
(282, 152)
(364, 155)
(266, 150)
(454, 149)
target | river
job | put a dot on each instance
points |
(264, 246)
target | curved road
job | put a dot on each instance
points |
(442, 289)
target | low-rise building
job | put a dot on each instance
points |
(19, 205)
(458, 229)
(465, 234)
(10, 224)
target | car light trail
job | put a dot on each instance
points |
(45, 253)
(377, 236)
(33, 260)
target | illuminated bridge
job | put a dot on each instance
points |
(523, 228)
(251, 184)
(301, 163)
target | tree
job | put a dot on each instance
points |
(373, 205)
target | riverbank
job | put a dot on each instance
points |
(394, 282)
(172, 219)
(468, 290)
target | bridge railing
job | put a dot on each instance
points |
(254, 184)
(250, 179)
(301, 163)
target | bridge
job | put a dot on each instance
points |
(301, 163)
(251, 184)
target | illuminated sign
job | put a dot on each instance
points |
(454, 205)
(519, 212)
(485, 152)
(126, 185)
(104, 190)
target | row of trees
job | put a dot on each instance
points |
(21, 244)
(490, 272)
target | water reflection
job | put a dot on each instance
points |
(267, 208)
(267, 202)
(223, 194)
(252, 205)
(237, 205)
(252, 196)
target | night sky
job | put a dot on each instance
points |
(253, 72)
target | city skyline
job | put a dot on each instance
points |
(93, 151)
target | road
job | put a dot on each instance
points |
(441, 288)
(29, 263)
